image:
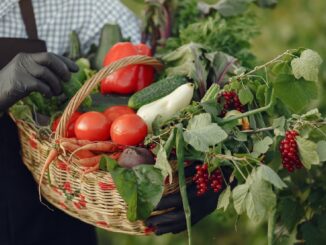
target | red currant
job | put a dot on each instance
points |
(231, 102)
(289, 151)
(204, 181)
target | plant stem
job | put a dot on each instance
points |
(257, 130)
(239, 170)
(264, 65)
(182, 182)
(271, 227)
(249, 113)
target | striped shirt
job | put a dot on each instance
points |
(55, 19)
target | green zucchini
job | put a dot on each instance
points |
(156, 91)
(110, 35)
(74, 48)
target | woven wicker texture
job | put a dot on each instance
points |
(93, 197)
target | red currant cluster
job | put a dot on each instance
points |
(231, 102)
(216, 180)
(289, 151)
(202, 179)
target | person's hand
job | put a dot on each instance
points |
(174, 221)
(41, 72)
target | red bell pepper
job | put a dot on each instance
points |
(130, 79)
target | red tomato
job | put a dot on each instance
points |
(132, 78)
(114, 112)
(92, 126)
(129, 129)
(71, 124)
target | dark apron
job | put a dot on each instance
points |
(23, 219)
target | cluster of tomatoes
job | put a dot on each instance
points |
(119, 123)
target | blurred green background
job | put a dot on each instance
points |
(292, 24)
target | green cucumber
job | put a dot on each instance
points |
(156, 91)
(102, 102)
(74, 48)
(110, 35)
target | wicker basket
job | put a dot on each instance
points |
(92, 198)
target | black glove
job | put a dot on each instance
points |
(174, 221)
(41, 72)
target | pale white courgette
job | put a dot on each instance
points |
(167, 106)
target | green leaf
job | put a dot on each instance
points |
(245, 96)
(311, 234)
(239, 195)
(321, 150)
(318, 134)
(221, 64)
(240, 136)
(212, 107)
(226, 8)
(308, 152)
(234, 85)
(291, 212)
(199, 121)
(260, 200)
(313, 231)
(170, 142)
(266, 3)
(266, 173)
(107, 164)
(140, 187)
(261, 94)
(214, 164)
(262, 146)
(282, 67)
(187, 60)
(279, 126)
(224, 199)
(307, 66)
(295, 94)
(21, 112)
(163, 164)
(312, 115)
(255, 196)
(201, 133)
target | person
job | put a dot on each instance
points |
(30, 60)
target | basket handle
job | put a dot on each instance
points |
(91, 83)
